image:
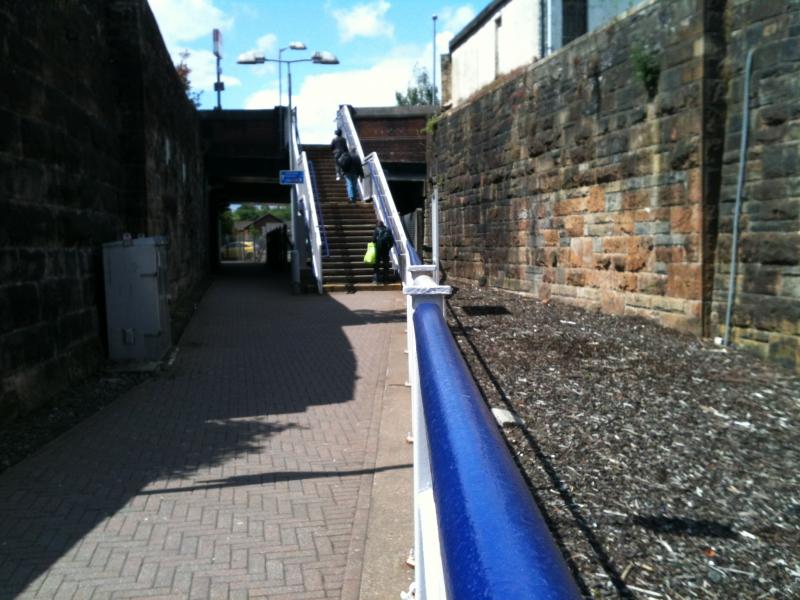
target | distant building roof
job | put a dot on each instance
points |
(267, 219)
(476, 23)
(394, 112)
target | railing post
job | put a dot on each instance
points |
(435, 231)
(419, 287)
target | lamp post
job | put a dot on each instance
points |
(219, 85)
(319, 58)
(433, 96)
(292, 46)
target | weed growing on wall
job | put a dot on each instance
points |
(647, 68)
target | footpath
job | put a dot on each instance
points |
(268, 461)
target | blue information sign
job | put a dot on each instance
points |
(291, 177)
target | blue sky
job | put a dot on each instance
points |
(378, 43)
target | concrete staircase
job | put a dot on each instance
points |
(348, 228)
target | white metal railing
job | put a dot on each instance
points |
(307, 202)
(375, 187)
(417, 285)
(491, 537)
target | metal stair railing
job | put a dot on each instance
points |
(374, 186)
(326, 251)
(307, 201)
(491, 542)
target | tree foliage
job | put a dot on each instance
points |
(226, 221)
(421, 93)
(183, 71)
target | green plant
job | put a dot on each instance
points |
(647, 68)
(431, 124)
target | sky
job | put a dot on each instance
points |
(378, 43)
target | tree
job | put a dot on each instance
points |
(421, 93)
(226, 220)
(183, 71)
(249, 212)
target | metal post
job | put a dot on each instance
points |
(218, 86)
(435, 231)
(280, 77)
(295, 254)
(433, 97)
(284, 138)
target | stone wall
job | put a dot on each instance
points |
(568, 180)
(766, 309)
(94, 108)
(594, 176)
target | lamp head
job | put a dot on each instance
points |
(251, 58)
(324, 58)
(297, 46)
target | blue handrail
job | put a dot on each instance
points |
(413, 257)
(495, 543)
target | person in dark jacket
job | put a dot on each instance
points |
(353, 171)
(383, 240)
(338, 147)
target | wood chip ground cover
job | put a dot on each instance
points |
(666, 466)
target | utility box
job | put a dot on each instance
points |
(137, 309)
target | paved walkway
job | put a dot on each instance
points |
(245, 470)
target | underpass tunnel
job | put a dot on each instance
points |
(249, 209)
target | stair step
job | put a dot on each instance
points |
(378, 287)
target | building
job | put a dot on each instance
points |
(508, 34)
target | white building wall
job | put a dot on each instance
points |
(491, 50)
(494, 50)
(519, 34)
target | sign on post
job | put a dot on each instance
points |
(291, 177)
(217, 36)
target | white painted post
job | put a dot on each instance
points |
(435, 231)
(420, 287)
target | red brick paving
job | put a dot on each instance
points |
(243, 471)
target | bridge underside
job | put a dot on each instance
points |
(243, 154)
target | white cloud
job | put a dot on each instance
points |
(320, 95)
(453, 20)
(203, 73)
(188, 20)
(364, 20)
(321, 92)
(266, 98)
(267, 43)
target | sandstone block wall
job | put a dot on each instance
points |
(567, 180)
(766, 311)
(96, 139)
(571, 179)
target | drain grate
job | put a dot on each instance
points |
(479, 311)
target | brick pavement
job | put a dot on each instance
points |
(243, 471)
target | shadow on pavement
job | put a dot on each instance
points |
(251, 352)
(275, 477)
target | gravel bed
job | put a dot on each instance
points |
(26, 434)
(667, 467)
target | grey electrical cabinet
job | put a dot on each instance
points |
(137, 308)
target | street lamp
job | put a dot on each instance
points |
(319, 58)
(433, 98)
(258, 58)
(292, 46)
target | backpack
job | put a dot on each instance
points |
(384, 240)
(344, 160)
